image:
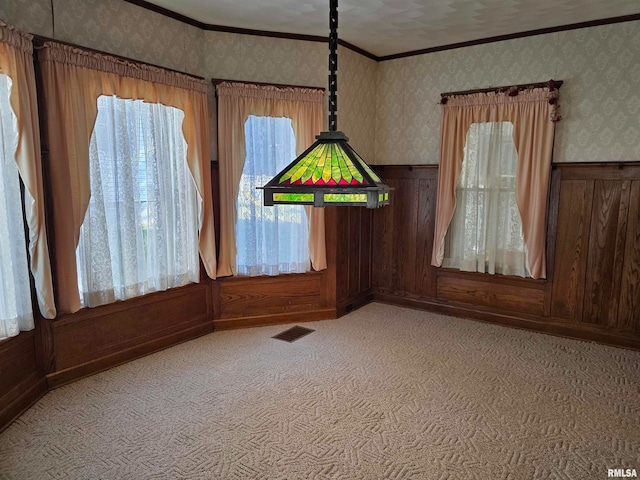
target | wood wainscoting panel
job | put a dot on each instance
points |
(258, 301)
(628, 317)
(509, 295)
(382, 242)
(426, 275)
(21, 385)
(403, 231)
(593, 250)
(364, 253)
(353, 258)
(405, 227)
(264, 295)
(606, 250)
(354, 220)
(342, 249)
(94, 339)
(572, 243)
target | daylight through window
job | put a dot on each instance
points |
(269, 240)
(140, 232)
(485, 234)
(15, 293)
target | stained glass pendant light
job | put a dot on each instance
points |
(329, 172)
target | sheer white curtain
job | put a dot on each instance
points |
(140, 232)
(269, 240)
(485, 234)
(16, 312)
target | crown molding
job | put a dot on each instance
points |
(317, 38)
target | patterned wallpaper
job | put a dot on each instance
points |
(357, 81)
(112, 26)
(600, 66)
(600, 98)
(121, 28)
(32, 16)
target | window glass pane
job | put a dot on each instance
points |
(269, 240)
(15, 292)
(140, 232)
(486, 230)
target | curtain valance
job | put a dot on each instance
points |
(273, 92)
(66, 54)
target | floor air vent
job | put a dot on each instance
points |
(293, 334)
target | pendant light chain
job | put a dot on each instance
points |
(333, 64)
(329, 172)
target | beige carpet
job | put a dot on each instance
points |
(382, 393)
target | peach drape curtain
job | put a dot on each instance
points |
(236, 101)
(533, 130)
(73, 80)
(16, 61)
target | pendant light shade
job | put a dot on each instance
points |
(329, 172)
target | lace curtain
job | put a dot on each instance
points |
(269, 240)
(15, 293)
(73, 79)
(140, 232)
(485, 234)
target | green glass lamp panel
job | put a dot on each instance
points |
(345, 173)
(309, 167)
(345, 197)
(289, 173)
(336, 172)
(354, 171)
(311, 173)
(318, 166)
(317, 174)
(326, 171)
(373, 174)
(301, 166)
(293, 197)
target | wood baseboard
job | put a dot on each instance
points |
(23, 395)
(62, 377)
(551, 326)
(354, 303)
(274, 319)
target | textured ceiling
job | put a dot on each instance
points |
(386, 27)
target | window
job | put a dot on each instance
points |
(495, 159)
(15, 293)
(269, 240)
(486, 230)
(140, 232)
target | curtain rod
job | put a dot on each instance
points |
(39, 40)
(216, 81)
(523, 86)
